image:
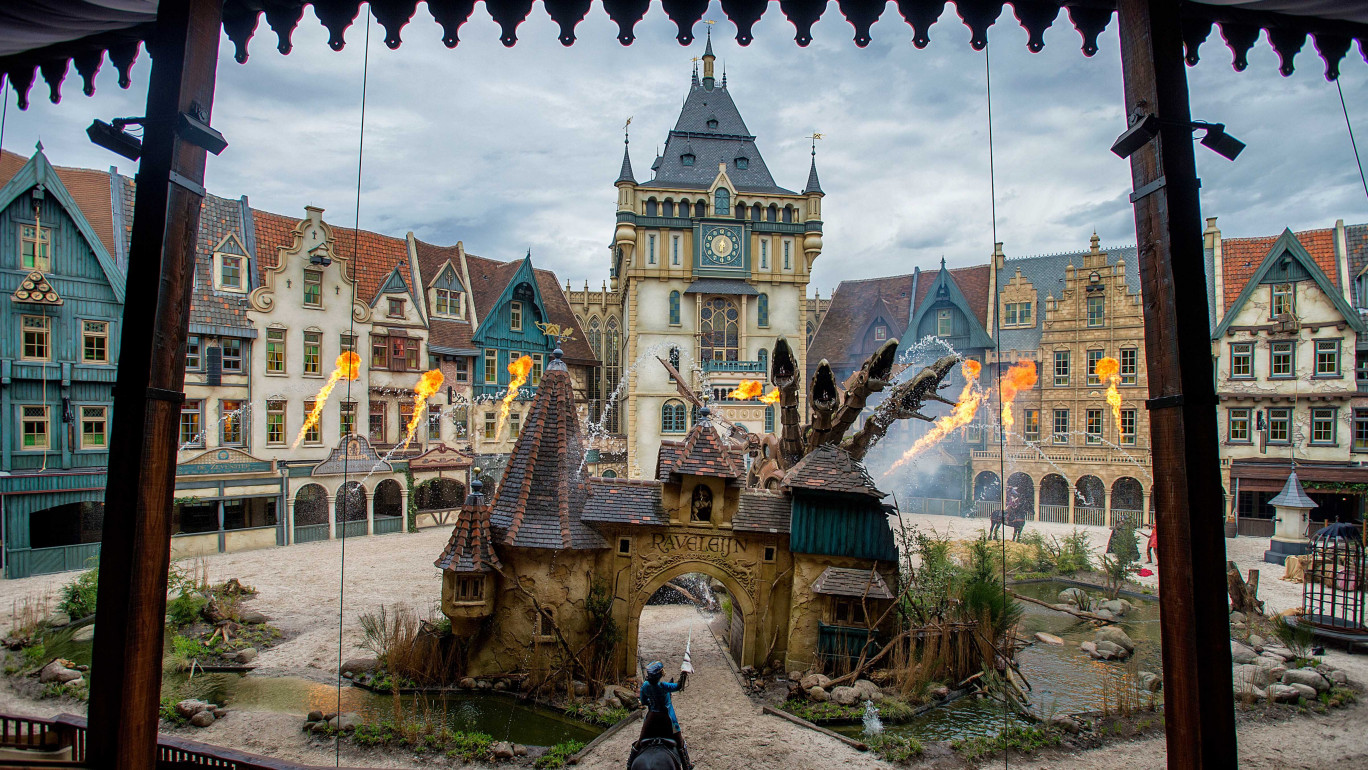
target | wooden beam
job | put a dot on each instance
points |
(1199, 714)
(135, 550)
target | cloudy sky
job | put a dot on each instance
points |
(511, 149)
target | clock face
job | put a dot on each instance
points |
(721, 246)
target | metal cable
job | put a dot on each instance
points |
(1357, 161)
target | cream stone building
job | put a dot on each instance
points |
(711, 260)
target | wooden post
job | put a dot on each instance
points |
(135, 548)
(1198, 702)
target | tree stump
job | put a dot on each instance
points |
(1244, 594)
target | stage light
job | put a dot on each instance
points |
(1143, 129)
(1218, 141)
(199, 133)
(115, 139)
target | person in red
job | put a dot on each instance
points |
(1153, 544)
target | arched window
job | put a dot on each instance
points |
(763, 358)
(810, 331)
(740, 211)
(672, 417)
(610, 474)
(594, 334)
(612, 365)
(755, 212)
(720, 330)
(769, 419)
(674, 308)
(762, 310)
(773, 214)
(700, 509)
(651, 207)
(669, 208)
(721, 202)
(701, 209)
(788, 213)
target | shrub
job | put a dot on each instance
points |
(1024, 739)
(168, 712)
(559, 754)
(185, 609)
(35, 656)
(896, 748)
(78, 596)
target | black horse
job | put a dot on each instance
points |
(656, 748)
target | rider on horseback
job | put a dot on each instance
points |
(655, 696)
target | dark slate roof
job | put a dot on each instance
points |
(1356, 239)
(831, 469)
(471, 547)
(842, 581)
(626, 175)
(212, 311)
(813, 185)
(762, 512)
(669, 454)
(854, 305)
(1292, 495)
(625, 501)
(1046, 274)
(705, 453)
(543, 491)
(721, 286)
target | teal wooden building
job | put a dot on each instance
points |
(63, 293)
(512, 327)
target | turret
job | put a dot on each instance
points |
(470, 566)
(708, 59)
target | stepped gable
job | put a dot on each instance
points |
(831, 469)
(705, 453)
(471, 547)
(543, 492)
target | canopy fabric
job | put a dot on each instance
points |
(46, 36)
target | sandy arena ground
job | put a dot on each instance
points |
(298, 588)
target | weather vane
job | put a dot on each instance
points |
(625, 135)
(554, 330)
(814, 137)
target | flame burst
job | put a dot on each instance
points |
(970, 399)
(1021, 376)
(348, 365)
(1109, 369)
(771, 397)
(747, 390)
(428, 384)
(520, 370)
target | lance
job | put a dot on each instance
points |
(687, 665)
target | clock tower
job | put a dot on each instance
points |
(709, 264)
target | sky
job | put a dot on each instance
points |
(511, 149)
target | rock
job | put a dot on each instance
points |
(611, 701)
(202, 719)
(846, 696)
(1306, 692)
(468, 683)
(485, 684)
(1281, 693)
(314, 716)
(1237, 617)
(252, 617)
(748, 671)
(500, 685)
(1115, 607)
(1048, 638)
(58, 671)
(1073, 595)
(1282, 656)
(357, 666)
(815, 680)
(84, 634)
(1066, 724)
(502, 750)
(1306, 676)
(58, 619)
(1111, 651)
(581, 689)
(1088, 647)
(1256, 675)
(941, 693)
(246, 655)
(321, 727)
(345, 722)
(1104, 614)
(1115, 636)
(1240, 653)
(818, 694)
(1151, 681)
(868, 690)
(625, 696)
(1333, 675)
(519, 750)
(795, 676)
(190, 707)
(1256, 642)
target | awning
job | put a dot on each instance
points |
(844, 581)
(721, 286)
(1256, 476)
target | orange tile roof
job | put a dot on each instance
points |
(1241, 257)
(372, 256)
(89, 188)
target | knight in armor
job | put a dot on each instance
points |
(655, 696)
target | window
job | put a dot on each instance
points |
(434, 425)
(230, 422)
(1327, 358)
(514, 425)
(460, 417)
(1323, 426)
(1241, 360)
(1237, 426)
(546, 627)
(1279, 426)
(313, 288)
(1093, 357)
(314, 435)
(313, 353)
(491, 366)
(762, 310)
(687, 159)
(674, 308)
(848, 612)
(515, 316)
(94, 427)
(764, 254)
(769, 419)
(1128, 427)
(1061, 368)
(788, 213)
(1061, 426)
(719, 327)
(490, 426)
(945, 325)
(35, 248)
(1130, 358)
(403, 354)
(35, 427)
(624, 544)
(652, 207)
(463, 370)
(1361, 430)
(1361, 369)
(275, 422)
(1031, 425)
(396, 308)
(650, 249)
(721, 202)
(1097, 311)
(376, 427)
(37, 338)
(1017, 314)
(700, 506)
(668, 208)
(1284, 299)
(190, 424)
(674, 250)
(1280, 363)
(275, 351)
(405, 419)
(192, 353)
(538, 360)
(788, 249)
(230, 272)
(95, 342)
(1094, 417)
(346, 412)
(346, 342)
(232, 355)
(672, 417)
(880, 333)
(471, 588)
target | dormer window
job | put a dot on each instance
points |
(1284, 299)
(742, 163)
(880, 333)
(313, 288)
(515, 317)
(449, 302)
(687, 159)
(712, 122)
(35, 251)
(230, 272)
(396, 308)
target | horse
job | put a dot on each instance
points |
(656, 748)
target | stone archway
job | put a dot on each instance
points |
(742, 595)
(1021, 483)
(310, 514)
(1128, 500)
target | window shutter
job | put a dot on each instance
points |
(214, 366)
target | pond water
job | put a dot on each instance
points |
(1064, 680)
(501, 716)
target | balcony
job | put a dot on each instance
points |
(750, 367)
(1134, 455)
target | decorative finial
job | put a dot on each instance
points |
(39, 145)
(814, 137)
(942, 262)
(626, 134)
(558, 354)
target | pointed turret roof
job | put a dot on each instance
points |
(1292, 495)
(626, 175)
(705, 453)
(831, 469)
(813, 186)
(542, 495)
(471, 547)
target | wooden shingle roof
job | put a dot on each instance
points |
(471, 546)
(831, 469)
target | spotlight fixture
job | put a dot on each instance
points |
(1218, 141)
(195, 130)
(1143, 129)
(114, 138)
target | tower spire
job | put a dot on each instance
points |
(708, 59)
(626, 175)
(813, 185)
